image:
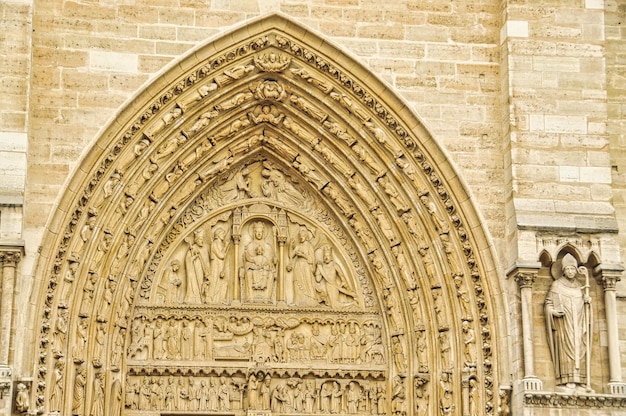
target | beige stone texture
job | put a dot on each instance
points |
(520, 104)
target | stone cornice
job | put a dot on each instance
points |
(579, 401)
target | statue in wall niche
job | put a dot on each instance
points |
(568, 322)
(168, 147)
(302, 264)
(446, 404)
(199, 94)
(331, 285)
(474, 397)
(22, 399)
(203, 120)
(218, 282)
(272, 62)
(309, 173)
(60, 331)
(266, 114)
(118, 347)
(276, 186)
(223, 395)
(365, 157)
(56, 395)
(364, 192)
(196, 266)
(97, 399)
(78, 392)
(306, 107)
(163, 122)
(341, 133)
(259, 259)
(172, 341)
(231, 75)
(116, 398)
(469, 344)
(104, 245)
(80, 341)
(299, 131)
(429, 264)
(326, 87)
(422, 394)
(398, 397)
(88, 294)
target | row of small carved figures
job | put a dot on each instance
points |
(224, 394)
(191, 342)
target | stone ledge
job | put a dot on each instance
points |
(561, 400)
(560, 222)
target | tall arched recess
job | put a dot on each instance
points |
(267, 228)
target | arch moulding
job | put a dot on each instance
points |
(267, 228)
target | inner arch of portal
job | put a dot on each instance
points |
(266, 229)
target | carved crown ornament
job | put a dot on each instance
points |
(267, 228)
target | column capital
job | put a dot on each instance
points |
(609, 275)
(10, 256)
(524, 274)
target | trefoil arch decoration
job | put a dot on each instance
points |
(274, 232)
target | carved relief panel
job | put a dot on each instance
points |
(254, 250)
(258, 302)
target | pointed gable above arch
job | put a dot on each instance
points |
(268, 186)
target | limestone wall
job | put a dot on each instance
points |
(527, 100)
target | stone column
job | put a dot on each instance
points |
(280, 284)
(610, 277)
(9, 258)
(525, 278)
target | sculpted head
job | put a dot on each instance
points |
(258, 230)
(569, 266)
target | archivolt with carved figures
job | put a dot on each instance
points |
(267, 229)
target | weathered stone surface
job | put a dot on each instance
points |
(519, 158)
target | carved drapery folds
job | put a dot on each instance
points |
(577, 293)
(246, 245)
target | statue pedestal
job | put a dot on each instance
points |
(617, 388)
(532, 384)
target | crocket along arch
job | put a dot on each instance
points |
(267, 228)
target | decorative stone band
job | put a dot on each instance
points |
(579, 401)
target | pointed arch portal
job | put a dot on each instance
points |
(266, 228)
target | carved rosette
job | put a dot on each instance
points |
(219, 244)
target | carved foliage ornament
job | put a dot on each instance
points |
(259, 263)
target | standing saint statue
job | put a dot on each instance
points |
(260, 265)
(217, 276)
(567, 321)
(302, 257)
(196, 266)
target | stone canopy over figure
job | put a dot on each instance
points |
(567, 323)
(259, 264)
